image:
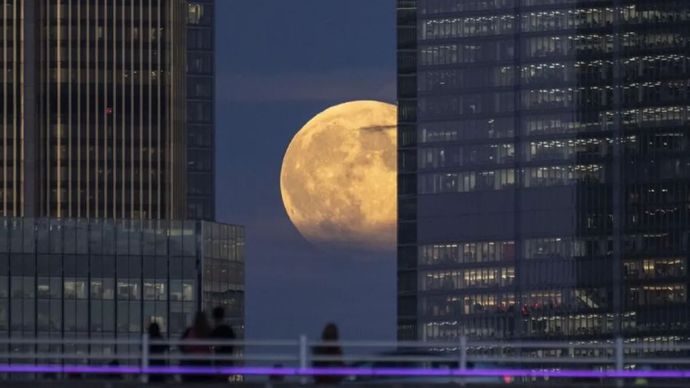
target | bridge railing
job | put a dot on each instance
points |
(461, 359)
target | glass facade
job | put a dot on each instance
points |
(102, 279)
(93, 108)
(201, 109)
(107, 131)
(11, 109)
(543, 170)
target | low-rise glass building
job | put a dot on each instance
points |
(81, 278)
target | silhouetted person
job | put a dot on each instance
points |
(330, 349)
(276, 378)
(156, 349)
(199, 331)
(222, 332)
(113, 375)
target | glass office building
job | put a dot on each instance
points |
(92, 108)
(81, 278)
(201, 109)
(106, 140)
(544, 177)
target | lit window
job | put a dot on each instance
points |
(195, 13)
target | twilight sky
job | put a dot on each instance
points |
(279, 63)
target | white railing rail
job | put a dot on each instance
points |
(296, 357)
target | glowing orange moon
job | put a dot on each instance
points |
(338, 179)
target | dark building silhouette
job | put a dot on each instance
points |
(543, 168)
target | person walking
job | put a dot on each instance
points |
(199, 331)
(154, 332)
(222, 332)
(330, 349)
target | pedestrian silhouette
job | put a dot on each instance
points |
(156, 349)
(276, 378)
(222, 332)
(199, 331)
(115, 364)
(329, 349)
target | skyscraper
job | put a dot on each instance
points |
(97, 139)
(201, 109)
(543, 187)
(93, 109)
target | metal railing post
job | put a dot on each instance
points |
(619, 359)
(144, 357)
(463, 352)
(303, 356)
(462, 349)
(619, 354)
(303, 352)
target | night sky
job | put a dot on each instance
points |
(279, 63)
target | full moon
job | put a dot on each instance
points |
(338, 179)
